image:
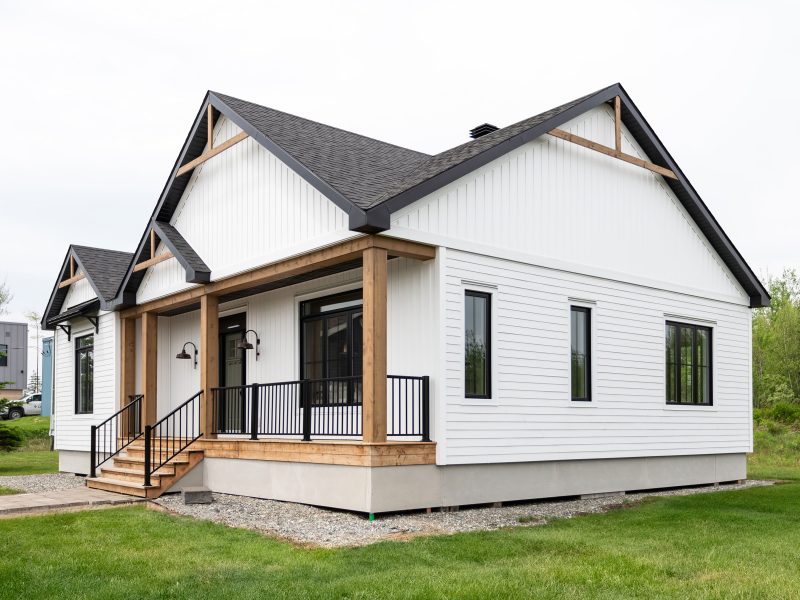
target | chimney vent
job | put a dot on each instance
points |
(482, 130)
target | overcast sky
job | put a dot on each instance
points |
(96, 99)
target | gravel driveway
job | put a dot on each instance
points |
(308, 525)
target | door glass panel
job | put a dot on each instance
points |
(332, 347)
(234, 398)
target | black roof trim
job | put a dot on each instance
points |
(90, 307)
(418, 175)
(103, 270)
(196, 270)
(645, 137)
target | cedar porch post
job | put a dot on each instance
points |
(149, 367)
(127, 383)
(374, 352)
(209, 360)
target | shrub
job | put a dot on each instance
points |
(10, 438)
(786, 412)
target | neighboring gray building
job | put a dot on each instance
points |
(13, 358)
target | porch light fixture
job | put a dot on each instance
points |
(245, 345)
(184, 355)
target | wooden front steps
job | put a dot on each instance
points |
(126, 474)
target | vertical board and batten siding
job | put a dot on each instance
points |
(178, 380)
(79, 292)
(531, 417)
(242, 209)
(553, 203)
(275, 317)
(72, 431)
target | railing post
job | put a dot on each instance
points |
(147, 455)
(254, 411)
(426, 408)
(305, 394)
(93, 452)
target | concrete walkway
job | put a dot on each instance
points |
(76, 498)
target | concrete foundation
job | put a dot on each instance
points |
(388, 489)
(74, 461)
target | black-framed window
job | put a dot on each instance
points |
(84, 374)
(3, 355)
(477, 344)
(331, 341)
(581, 353)
(688, 362)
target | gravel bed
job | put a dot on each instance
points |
(311, 526)
(49, 482)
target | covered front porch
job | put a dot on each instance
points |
(333, 401)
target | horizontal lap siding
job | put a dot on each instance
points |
(72, 431)
(531, 417)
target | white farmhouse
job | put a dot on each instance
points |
(316, 316)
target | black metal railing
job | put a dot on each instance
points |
(114, 434)
(408, 406)
(170, 436)
(319, 407)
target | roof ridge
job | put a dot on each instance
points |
(347, 131)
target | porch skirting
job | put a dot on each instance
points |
(393, 488)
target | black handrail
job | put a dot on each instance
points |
(113, 435)
(171, 435)
(320, 407)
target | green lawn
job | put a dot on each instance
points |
(723, 545)
(4, 491)
(743, 544)
(35, 456)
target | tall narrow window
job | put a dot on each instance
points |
(688, 361)
(3, 355)
(581, 351)
(84, 374)
(477, 345)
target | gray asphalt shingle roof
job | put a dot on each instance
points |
(105, 268)
(358, 167)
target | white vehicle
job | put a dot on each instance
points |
(29, 405)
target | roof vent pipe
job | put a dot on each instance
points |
(481, 130)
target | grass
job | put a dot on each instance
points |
(4, 491)
(35, 456)
(777, 452)
(723, 545)
(741, 544)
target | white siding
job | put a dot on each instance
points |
(530, 415)
(79, 292)
(412, 348)
(245, 208)
(71, 430)
(554, 203)
(178, 380)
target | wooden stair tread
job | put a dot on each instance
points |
(162, 472)
(119, 482)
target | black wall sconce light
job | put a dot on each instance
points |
(245, 345)
(184, 355)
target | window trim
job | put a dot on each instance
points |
(488, 316)
(694, 327)
(78, 351)
(589, 351)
